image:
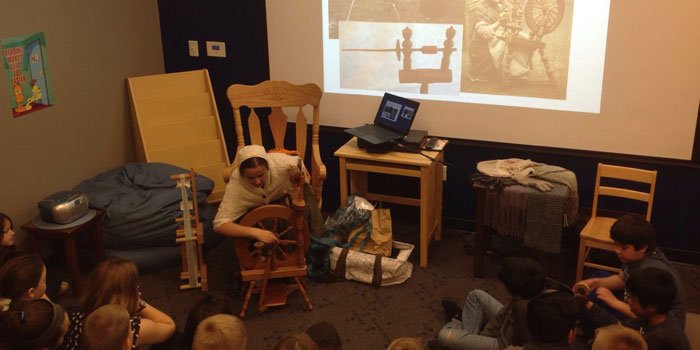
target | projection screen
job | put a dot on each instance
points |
(579, 74)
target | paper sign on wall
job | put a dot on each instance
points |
(24, 58)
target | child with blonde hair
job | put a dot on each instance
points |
(116, 281)
(107, 328)
(407, 343)
(220, 332)
(618, 337)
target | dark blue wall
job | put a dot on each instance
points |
(241, 24)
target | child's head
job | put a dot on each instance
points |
(551, 317)
(523, 277)
(7, 236)
(651, 291)
(407, 343)
(113, 281)
(220, 332)
(325, 336)
(34, 324)
(107, 328)
(618, 337)
(23, 277)
(634, 237)
(210, 305)
(296, 341)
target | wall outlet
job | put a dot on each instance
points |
(216, 48)
(194, 48)
(444, 173)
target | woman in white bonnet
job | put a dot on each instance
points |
(261, 178)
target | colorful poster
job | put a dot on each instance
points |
(24, 58)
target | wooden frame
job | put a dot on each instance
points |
(190, 235)
(175, 120)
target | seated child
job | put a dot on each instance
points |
(407, 343)
(55, 286)
(485, 322)
(551, 320)
(325, 336)
(651, 294)
(107, 328)
(32, 325)
(618, 337)
(23, 277)
(295, 341)
(636, 249)
(116, 281)
(220, 332)
(7, 237)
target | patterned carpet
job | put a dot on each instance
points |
(366, 318)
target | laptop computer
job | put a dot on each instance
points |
(392, 122)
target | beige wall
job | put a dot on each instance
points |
(91, 48)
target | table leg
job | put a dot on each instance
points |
(72, 263)
(343, 181)
(97, 239)
(438, 200)
(33, 242)
(425, 184)
(479, 241)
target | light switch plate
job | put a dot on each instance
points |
(216, 48)
(194, 48)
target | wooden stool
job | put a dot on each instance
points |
(68, 236)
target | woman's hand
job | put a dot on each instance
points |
(265, 236)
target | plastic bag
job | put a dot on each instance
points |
(356, 211)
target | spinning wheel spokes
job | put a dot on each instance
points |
(278, 219)
(284, 232)
(544, 15)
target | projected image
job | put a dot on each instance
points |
(407, 113)
(391, 111)
(518, 48)
(405, 11)
(418, 58)
(529, 53)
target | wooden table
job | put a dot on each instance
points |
(359, 163)
(482, 240)
(68, 236)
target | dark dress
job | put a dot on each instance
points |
(71, 340)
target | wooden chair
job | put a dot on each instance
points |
(261, 264)
(276, 95)
(596, 233)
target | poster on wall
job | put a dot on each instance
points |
(24, 58)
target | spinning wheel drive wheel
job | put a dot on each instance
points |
(278, 219)
(544, 14)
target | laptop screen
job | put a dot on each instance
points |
(396, 113)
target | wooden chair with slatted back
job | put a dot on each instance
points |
(261, 264)
(276, 95)
(596, 233)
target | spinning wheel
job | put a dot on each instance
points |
(278, 219)
(543, 16)
(286, 259)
